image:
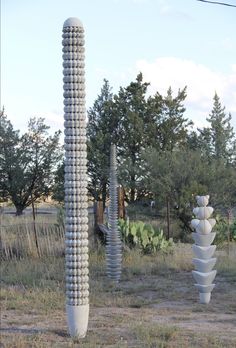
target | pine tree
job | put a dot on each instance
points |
(222, 144)
(173, 127)
(102, 130)
(131, 108)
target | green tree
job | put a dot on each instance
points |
(174, 178)
(171, 127)
(102, 130)
(9, 138)
(222, 186)
(131, 109)
(58, 191)
(200, 141)
(133, 122)
(219, 137)
(27, 162)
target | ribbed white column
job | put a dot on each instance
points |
(76, 200)
(113, 247)
(203, 249)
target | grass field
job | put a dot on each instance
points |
(154, 305)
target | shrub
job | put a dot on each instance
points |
(223, 229)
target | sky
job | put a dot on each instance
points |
(173, 43)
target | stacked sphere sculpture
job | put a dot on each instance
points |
(203, 237)
(76, 201)
(113, 247)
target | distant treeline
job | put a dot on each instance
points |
(160, 156)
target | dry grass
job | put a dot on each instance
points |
(154, 305)
(18, 236)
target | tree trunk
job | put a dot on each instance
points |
(132, 190)
(19, 210)
(132, 195)
(229, 218)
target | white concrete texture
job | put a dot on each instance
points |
(113, 246)
(76, 199)
(203, 250)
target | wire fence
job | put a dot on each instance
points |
(23, 237)
(31, 239)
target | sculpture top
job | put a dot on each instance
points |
(202, 201)
(72, 22)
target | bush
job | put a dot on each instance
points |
(145, 236)
(223, 229)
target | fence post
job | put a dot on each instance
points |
(121, 203)
(34, 227)
(168, 217)
(98, 219)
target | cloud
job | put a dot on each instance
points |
(201, 82)
(167, 10)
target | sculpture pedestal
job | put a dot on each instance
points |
(205, 297)
(77, 318)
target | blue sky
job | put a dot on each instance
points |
(172, 42)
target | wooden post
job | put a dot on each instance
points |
(229, 218)
(34, 227)
(121, 203)
(98, 220)
(168, 216)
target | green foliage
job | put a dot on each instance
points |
(58, 192)
(8, 153)
(102, 130)
(144, 235)
(224, 230)
(131, 107)
(132, 121)
(221, 230)
(27, 162)
(171, 128)
(222, 142)
(221, 184)
(170, 175)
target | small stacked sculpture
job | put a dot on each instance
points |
(113, 247)
(76, 200)
(203, 237)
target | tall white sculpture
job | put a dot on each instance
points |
(203, 237)
(76, 201)
(113, 247)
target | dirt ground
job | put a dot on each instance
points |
(146, 311)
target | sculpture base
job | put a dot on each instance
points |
(205, 297)
(77, 319)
